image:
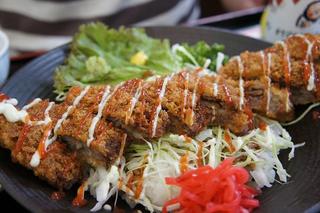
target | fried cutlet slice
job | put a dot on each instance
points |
(273, 102)
(59, 167)
(173, 104)
(195, 108)
(292, 66)
(99, 142)
(133, 106)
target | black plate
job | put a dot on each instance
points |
(35, 80)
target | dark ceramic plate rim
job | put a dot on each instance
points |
(13, 192)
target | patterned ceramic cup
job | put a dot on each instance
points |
(4, 57)
(285, 17)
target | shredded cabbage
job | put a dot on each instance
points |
(257, 151)
(312, 106)
(147, 164)
(159, 160)
(102, 184)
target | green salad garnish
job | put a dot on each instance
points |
(102, 55)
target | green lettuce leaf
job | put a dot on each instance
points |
(201, 51)
(101, 55)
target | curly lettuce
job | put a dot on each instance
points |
(101, 55)
(199, 53)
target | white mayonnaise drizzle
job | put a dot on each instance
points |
(96, 119)
(194, 95)
(11, 113)
(285, 49)
(47, 118)
(269, 83)
(161, 95)
(185, 92)
(8, 106)
(219, 61)
(262, 61)
(215, 89)
(133, 102)
(34, 102)
(35, 160)
(12, 101)
(241, 88)
(309, 59)
(74, 104)
(206, 72)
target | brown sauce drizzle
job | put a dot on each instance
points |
(22, 137)
(183, 163)
(306, 72)
(3, 97)
(120, 183)
(132, 105)
(200, 154)
(79, 200)
(139, 186)
(247, 110)
(130, 182)
(228, 139)
(306, 61)
(154, 108)
(137, 180)
(262, 126)
(228, 98)
(187, 139)
(185, 94)
(41, 147)
(264, 66)
(100, 128)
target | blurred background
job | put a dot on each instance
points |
(34, 26)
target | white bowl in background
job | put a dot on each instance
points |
(4, 57)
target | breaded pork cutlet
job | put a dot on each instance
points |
(87, 139)
(289, 68)
(97, 141)
(273, 101)
(174, 104)
(58, 165)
